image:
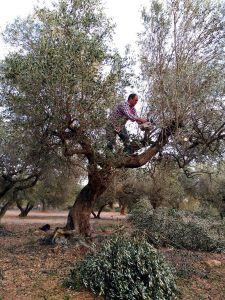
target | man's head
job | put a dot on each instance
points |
(132, 99)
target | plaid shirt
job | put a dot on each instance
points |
(121, 114)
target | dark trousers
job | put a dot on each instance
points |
(123, 135)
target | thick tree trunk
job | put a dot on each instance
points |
(99, 178)
(79, 215)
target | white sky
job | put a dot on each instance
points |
(125, 13)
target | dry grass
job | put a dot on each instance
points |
(29, 270)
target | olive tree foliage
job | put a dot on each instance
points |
(160, 185)
(23, 162)
(20, 165)
(210, 187)
(126, 188)
(182, 61)
(164, 185)
(56, 188)
(131, 187)
(63, 71)
(125, 267)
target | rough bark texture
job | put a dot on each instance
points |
(99, 179)
(79, 215)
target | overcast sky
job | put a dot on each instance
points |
(125, 13)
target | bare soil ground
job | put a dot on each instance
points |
(51, 217)
(30, 270)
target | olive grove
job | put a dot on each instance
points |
(63, 78)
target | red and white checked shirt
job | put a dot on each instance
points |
(121, 114)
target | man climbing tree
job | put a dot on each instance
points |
(117, 120)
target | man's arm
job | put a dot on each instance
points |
(132, 116)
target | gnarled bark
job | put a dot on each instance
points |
(79, 215)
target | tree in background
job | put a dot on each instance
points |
(108, 198)
(25, 163)
(162, 186)
(55, 189)
(67, 75)
(26, 201)
(20, 165)
(126, 188)
(58, 188)
(183, 68)
(210, 188)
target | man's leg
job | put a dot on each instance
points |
(126, 140)
(110, 137)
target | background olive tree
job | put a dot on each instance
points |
(182, 62)
(20, 164)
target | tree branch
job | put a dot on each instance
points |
(141, 159)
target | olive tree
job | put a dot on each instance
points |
(20, 166)
(210, 187)
(183, 68)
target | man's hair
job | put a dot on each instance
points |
(131, 96)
